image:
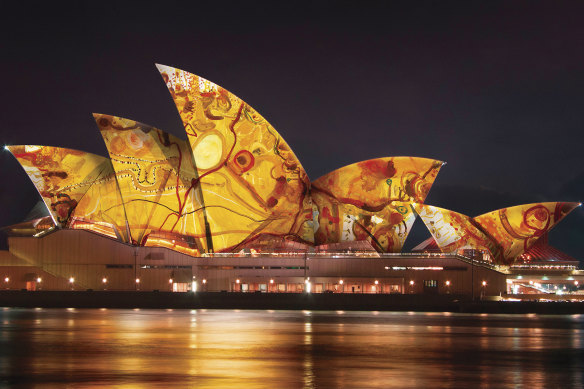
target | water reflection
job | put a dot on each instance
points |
(286, 349)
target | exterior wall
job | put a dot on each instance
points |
(17, 274)
(89, 258)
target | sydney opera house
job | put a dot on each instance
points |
(230, 208)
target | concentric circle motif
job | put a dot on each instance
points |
(244, 160)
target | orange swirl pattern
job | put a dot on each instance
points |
(370, 200)
(61, 176)
(454, 231)
(253, 186)
(517, 228)
(154, 171)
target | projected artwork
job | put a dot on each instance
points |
(453, 231)
(515, 229)
(61, 176)
(370, 201)
(235, 184)
(154, 172)
(252, 184)
(100, 210)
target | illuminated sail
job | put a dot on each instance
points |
(154, 172)
(454, 232)
(101, 210)
(61, 176)
(370, 201)
(515, 229)
(252, 184)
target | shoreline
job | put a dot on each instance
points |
(278, 301)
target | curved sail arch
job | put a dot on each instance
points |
(101, 210)
(370, 200)
(517, 228)
(251, 181)
(61, 176)
(154, 171)
(454, 231)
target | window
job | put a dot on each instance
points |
(119, 266)
(430, 283)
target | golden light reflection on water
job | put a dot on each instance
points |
(285, 349)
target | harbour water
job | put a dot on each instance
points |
(91, 348)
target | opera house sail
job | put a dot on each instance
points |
(370, 201)
(505, 233)
(252, 184)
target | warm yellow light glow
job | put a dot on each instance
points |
(104, 280)
(39, 280)
(341, 282)
(576, 283)
(454, 232)
(237, 281)
(137, 280)
(372, 201)
(412, 282)
(242, 163)
(376, 282)
(204, 281)
(271, 281)
(170, 281)
(515, 229)
(6, 279)
(71, 280)
(447, 283)
(530, 282)
(484, 283)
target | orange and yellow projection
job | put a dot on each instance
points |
(370, 200)
(517, 228)
(454, 231)
(253, 186)
(234, 183)
(61, 176)
(154, 172)
(506, 233)
(101, 210)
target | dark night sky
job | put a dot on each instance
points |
(493, 88)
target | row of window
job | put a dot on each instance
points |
(124, 266)
(211, 267)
